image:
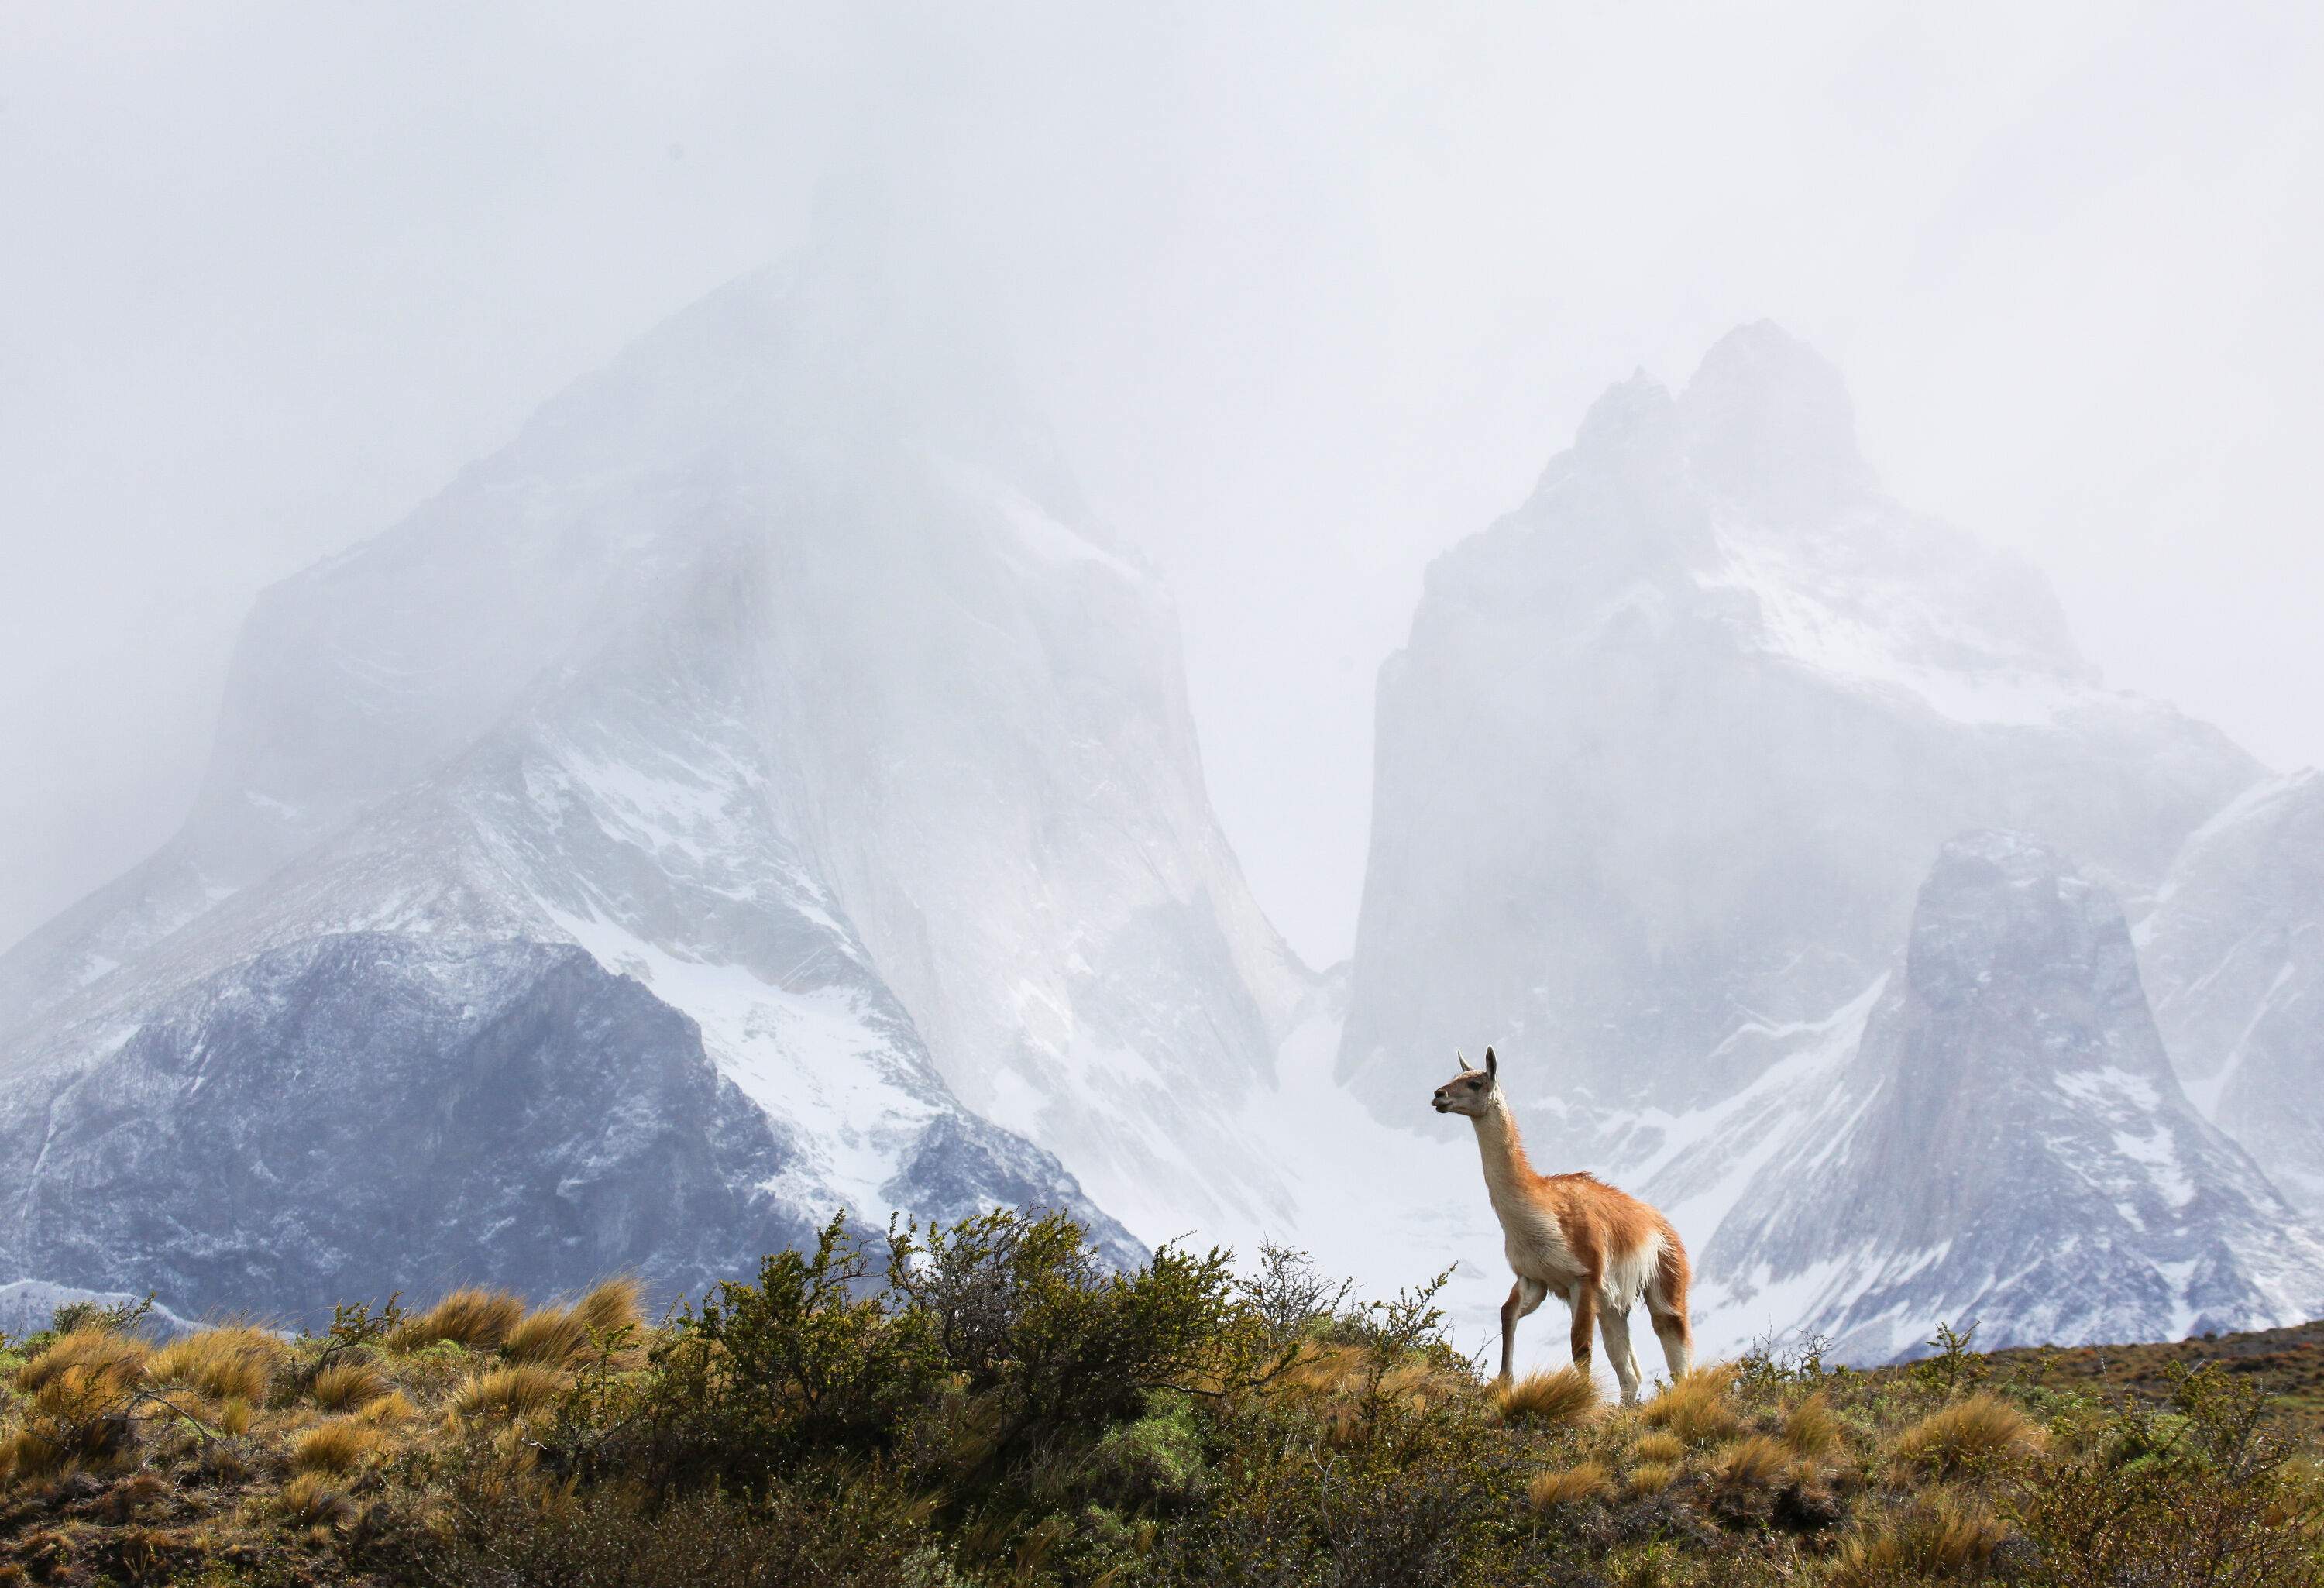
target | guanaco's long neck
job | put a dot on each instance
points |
(1507, 1170)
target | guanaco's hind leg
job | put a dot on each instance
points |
(1524, 1297)
(1614, 1328)
(1667, 1305)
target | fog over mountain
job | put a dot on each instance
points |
(1309, 292)
(624, 627)
(765, 787)
(756, 791)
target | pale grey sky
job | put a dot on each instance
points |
(1309, 291)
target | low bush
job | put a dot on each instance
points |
(989, 1403)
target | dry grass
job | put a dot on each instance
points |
(1559, 1399)
(1941, 1539)
(480, 1320)
(1336, 1382)
(1812, 1429)
(346, 1385)
(1658, 1446)
(1419, 1386)
(80, 1415)
(1698, 1409)
(234, 1416)
(519, 1391)
(1578, 1484)
(340, 1445)
(100, 1358)
(229, 1363)
(553, 1335)
(1982, 1431)
(309, 1500)
(611, 1306)
(388, 1410)
(1652, 1477)
(1754, 1460)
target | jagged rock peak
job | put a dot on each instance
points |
(1998, 901)
(2009, 1144)
(1768, 422)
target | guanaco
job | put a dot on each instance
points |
(1574, 1236)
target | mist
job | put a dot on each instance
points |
(1307, 297)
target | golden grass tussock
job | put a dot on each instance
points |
(1941, 1538)
(78, 1415)
(1698, 1409)
(1810, 1429)
(310, 1499)
(235, 1362)
(387, 1410)
(1753, 1461)
(1658, 1446)
(550, 1335)
(612, 1306)
(25, 1454)
(1652, 1477)
(337, 1446)
(1984, 1430)
(1417, 1386)
(100, 1358)
(1578, 1484)
(1324, 1370)
(344, 1386)
(519, 1391)
(479, 1319)
(1560, 1399)
(234, 1416)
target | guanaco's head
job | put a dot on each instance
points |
(1471, 1092)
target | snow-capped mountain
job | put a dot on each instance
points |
(1667, 758)
(2234, 958)
(759, 783)
(2008, 1143)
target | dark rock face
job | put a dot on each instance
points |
(371, 1113)
(2233, 955)
(2009, 1144)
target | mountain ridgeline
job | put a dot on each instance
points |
(763, 787)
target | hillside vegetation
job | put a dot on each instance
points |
(987, 1404)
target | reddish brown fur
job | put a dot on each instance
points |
(1573, 1235)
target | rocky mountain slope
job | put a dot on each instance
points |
(2233, 953)
(1660, 772)
(2008, 1144)
(758, 786)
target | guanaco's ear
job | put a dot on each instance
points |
(1492, 1068)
